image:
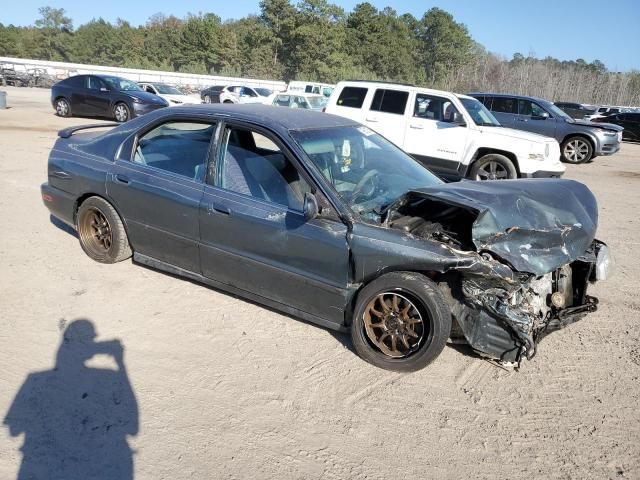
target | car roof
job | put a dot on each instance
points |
(527, 97)
(376, 84)
(285, 118)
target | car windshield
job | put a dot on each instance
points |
(479, 113)
(555, 111)
(263, 92)
(366, 170)
(167, 89)
(317, 102)
(117, 83)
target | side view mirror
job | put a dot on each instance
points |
(458, 119)
(540, 116)
(310, 206)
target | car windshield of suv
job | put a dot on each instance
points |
(479, 113)
(555, 111)
(263, 92)
(167, 89)
(366, 170)
(117, 83)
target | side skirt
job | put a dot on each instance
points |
(166, 267)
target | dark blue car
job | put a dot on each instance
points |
(320, 217)
(103, 96)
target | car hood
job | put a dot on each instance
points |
(536, 225)
(146, 97)
(587, 123)
(513, 133)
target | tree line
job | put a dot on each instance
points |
(316, 40)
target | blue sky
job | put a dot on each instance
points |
(565, 29)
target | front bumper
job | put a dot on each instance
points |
(542, 174)
(608, 144)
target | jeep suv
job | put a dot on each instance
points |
(580, 140)
(453, 135)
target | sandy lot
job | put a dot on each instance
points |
(227, 389)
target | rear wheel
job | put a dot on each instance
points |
(401, 322)
(493, 166)
(577, 150)
(207, 99)
(121, 112)
(101, 231)
(63, 109)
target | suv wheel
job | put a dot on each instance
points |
(493, 166)
(576, 150)
(401, 322)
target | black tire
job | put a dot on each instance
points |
(576, 150)
(227, 101)
(493, 166)
(121, 112)
(90, 236)
(429, 302)
(63, 108)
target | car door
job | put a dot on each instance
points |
(77, 94)
(97, 97)
(157, 187)
(254, 236)
(505, 109)
(386, 113)
(432, 137)
(533, 118)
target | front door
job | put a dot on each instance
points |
(158, 191)
(433, 138)
(97, 97)
(531, 117)
(255, 237)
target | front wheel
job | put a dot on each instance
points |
(101, 231)
(493, 166)
(121, 112)
(401, 322)
(577, 150)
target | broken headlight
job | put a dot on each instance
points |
(604, 263)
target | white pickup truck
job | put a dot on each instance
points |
(454, 135)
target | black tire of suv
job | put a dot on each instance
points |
(120, 249)
(428, 299)
(504, 163)
(581, 141)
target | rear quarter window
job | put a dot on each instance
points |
(504, 105)
(352, 97)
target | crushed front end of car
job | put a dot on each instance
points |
(521, 257)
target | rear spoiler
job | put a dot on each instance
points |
(67, 132)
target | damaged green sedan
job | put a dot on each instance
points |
(318, 216)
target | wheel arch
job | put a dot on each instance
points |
(482, 151)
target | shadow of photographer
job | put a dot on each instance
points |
(76, 419)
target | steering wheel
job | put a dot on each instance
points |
(370, 177)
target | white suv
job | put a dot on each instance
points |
(454, 135)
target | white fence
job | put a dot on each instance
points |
(63, 70)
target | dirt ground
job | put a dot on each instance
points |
(228, 389)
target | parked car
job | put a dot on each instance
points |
(301, 100)
(171, 94)
(602, 112)
(41, 78)
(16, 78)
(320, 217)
(580, 140)
(310, 87)
(453, 135)
(103, 96)
(235, 94)
(575, 110)
(629, 121)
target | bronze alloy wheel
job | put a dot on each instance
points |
(95, 232)
(394, 324)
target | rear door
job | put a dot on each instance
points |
(386, 113)
(254, 235)
(97, 97)
(505, 109)
(531, 118)
(433, 138)
(77, 94)
(350, 103)
(157, 187)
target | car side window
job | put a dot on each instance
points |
(527, 107)
(282, 100)
(352, 97)
(504, 105)
(390, 101)
(253, 165)
(434, 108)
(177, 147)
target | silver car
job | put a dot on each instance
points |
(580, 140)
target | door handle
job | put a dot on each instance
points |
(61, 174)
(214, 209)
(522, 120)
(122, 179)
(417, 127)
(371, 119)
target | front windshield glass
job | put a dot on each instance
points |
(366, 170)
(555, 111)
(317, 102)
(167, 89)
(263, 92)
(117, 83)
(479, 113)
